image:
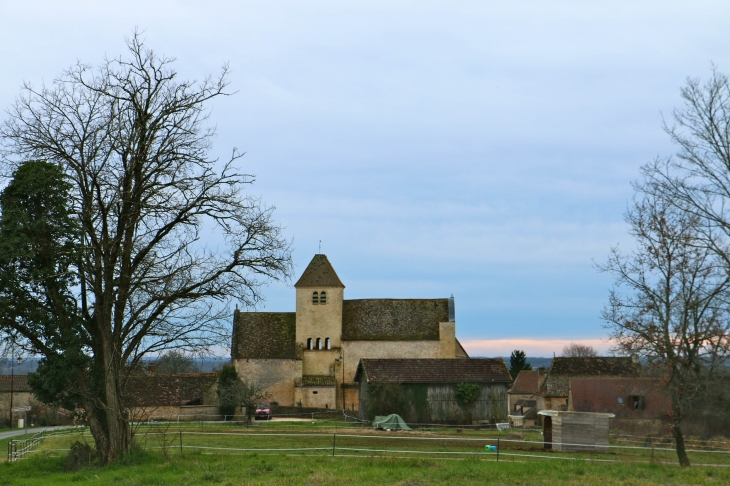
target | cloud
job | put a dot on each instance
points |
(532, 347)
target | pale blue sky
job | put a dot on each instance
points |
(483, 149)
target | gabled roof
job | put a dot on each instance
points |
(19, 383)
(265, 335)
(319, 273)
(169, 390)
(594, 366)
(474, 370)
(527, 381)
(602, 395)
(563, 369)
(393, 319)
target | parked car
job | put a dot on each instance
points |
(263, 411)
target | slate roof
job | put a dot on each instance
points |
(319, 273)
(474, 370)
(601, 395)
(312, 380)
(563, 369)
(265, 335)
(20, 383)
(393, 319)
(169, 390)
(527, 381)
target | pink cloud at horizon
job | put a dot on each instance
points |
(536, 348)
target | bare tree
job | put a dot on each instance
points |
(167, 235)
(175, 362)
(670, 302)
(578, 350)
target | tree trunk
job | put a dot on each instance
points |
(108, 420)
(676, 418)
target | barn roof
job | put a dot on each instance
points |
(319, 273)
(563, 369)
(269, 335)
(393, 319)
(169, 390)
(527, 381)
(20, 383)
(474, 370)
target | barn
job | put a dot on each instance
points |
(444, 391)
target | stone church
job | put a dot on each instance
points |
(310, 357)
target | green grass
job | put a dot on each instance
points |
(424, 464)
(148, 468)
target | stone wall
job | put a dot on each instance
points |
(315, 397)
(317, 320)
(275, 375)
(353, 351)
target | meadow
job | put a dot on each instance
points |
(329, 452)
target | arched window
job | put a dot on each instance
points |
(315, 298)
(323, 298)
(327, 343)
(309, 343)
(319, 343)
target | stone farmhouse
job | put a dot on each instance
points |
(310, 357)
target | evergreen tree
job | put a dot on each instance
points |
(517, 363)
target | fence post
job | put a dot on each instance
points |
(334, 441)
(497, 449)
(181, 442)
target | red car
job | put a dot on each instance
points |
(263, 411)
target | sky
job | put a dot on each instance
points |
(482, 149)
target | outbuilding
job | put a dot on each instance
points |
(447, 391)
(575, 431)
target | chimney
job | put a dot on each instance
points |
(452, 309)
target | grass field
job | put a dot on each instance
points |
(302, 454)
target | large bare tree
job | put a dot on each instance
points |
(167, 233)
(670, 302)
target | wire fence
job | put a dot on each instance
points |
(347, 441)
(21, 448)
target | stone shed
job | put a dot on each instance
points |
(575, 431)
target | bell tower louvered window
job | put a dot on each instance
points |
(315, 298)
(323, 298)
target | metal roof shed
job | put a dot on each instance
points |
(575, 431)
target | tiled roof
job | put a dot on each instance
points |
(169, 390)
(602, 394)
(474, 370)
(20, 383)
(269, 335)
(312, 380)
(526, 382)
(563, 369)
(319, 273)
(594, 366)
(393, 319)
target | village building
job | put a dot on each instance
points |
(639, 405)
(427, 390)
(310, 357)
(554, 389)
(16, 387)
(178, 397)
(522, 398)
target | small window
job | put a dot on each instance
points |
(323, 298)
(319, 343)
(620, 400)
(315, 298)
(637, 401)
(314, 392)
(327, 343)
(309, 343)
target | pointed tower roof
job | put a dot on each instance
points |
(319, 273)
